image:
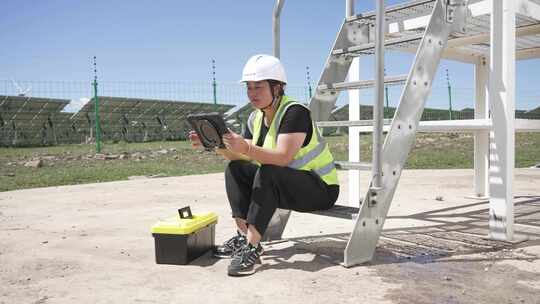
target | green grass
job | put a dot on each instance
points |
(75, 164)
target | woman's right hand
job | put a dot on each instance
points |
(195, 140)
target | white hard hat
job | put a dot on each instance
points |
(263, 67)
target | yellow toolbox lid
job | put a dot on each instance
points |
(177, 225)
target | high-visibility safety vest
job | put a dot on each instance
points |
(314, 157)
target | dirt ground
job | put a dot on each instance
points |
(92, 244)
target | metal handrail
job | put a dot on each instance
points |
(276, 27)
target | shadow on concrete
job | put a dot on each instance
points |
(446, 237)
(205, 260)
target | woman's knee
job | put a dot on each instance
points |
(268, 171)
(266, 176)
(234, 168)
(235, 164)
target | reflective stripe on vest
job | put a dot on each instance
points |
(250, 122)
(314, 157)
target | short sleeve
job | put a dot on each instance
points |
(297, 119)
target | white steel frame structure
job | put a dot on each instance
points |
(492, 35)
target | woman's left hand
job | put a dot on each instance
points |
(235, 142)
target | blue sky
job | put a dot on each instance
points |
(176, 41)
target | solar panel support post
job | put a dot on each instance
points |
(449, 96)
(214, 85)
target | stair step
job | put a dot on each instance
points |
(362, 84)
(354, 50)
(344, 165)
(417, 7)
(349, 123)
(339, 211)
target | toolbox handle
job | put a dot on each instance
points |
(185, 213)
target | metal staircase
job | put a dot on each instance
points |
(357, 37)
(447, 17)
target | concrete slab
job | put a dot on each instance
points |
(92, 244)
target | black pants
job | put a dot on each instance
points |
(255, 192)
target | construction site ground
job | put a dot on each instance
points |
(92, 244)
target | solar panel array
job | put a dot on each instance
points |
(136, 120)
(31, 121)
(238, 118)
(28, 120)
(533, 114)
(67, 130)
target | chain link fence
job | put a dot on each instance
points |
(155, 118)
(79, 92)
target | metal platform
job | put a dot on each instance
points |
(407, 21)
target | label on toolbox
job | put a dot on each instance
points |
(176, 225)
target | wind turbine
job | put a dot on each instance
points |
(20, 91)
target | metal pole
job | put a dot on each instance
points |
(387, 108)
(449, 95)
(349, 8)
(378, 105)
(96, 109)
(308, 82)
(355, 198)
(276, 27)
(214, 85)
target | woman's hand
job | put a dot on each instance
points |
(235, 143)
(195, 140)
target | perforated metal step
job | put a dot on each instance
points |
(339, 211)
(344, 165)
(362, 84)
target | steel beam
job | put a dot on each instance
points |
(378, 104)
(481, 138)
(502, 105)
(483, 38)
(461, 125)
(354, 135)
(527, 125)
(354, 114)
(531, 53)
(528, 8)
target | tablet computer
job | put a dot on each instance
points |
(210, 128)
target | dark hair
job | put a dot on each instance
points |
(274, 83)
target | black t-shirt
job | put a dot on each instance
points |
(297, 119)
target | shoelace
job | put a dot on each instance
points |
(232, 243)
(245, 254)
